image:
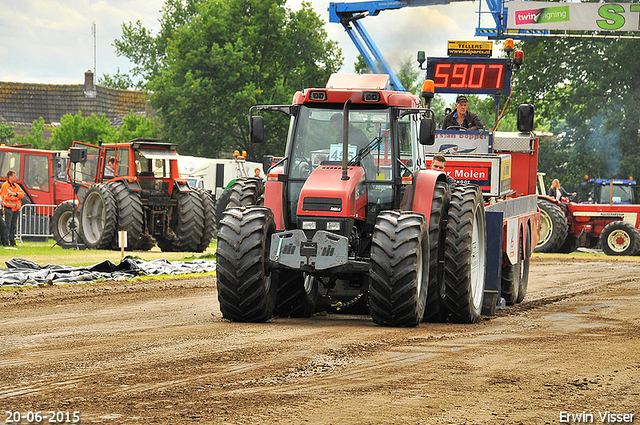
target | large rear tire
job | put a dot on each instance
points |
(297, 293)
(209, 229)
(245, 191)
(245, 289)
(553, 227)
(61, 220)
(620, 238)
(189, 222)
(399, 268)
(98, 217)
(465, 255)
(436, 310)
(130, 215)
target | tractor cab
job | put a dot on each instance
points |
(350, 154)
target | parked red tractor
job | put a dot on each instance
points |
(567, 226)
(144, 197)
(353, 220)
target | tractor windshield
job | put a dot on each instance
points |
(318, 139)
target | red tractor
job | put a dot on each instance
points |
(352, 220)
(567, 226)
(135, 187)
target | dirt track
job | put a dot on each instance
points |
(159, 352)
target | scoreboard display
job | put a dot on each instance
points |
(470, 75)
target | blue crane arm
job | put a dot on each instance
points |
(349, 14)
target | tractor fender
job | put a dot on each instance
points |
(419, 195)
(274, 196)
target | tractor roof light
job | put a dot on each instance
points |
(508, 45)
(317, 95)
(428, 88)
(236, 153)
(518, 57)
(370, 96)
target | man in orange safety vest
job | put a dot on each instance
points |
(11, 194)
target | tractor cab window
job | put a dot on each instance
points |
(9, 161)
(36, 172)
(318, 140)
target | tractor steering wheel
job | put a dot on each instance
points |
(457, 127)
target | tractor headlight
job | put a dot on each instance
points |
(308, 225)
(333, 226)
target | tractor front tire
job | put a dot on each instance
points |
(98, 217)
(465, 255)
(399, 272)
(553, 227)
(620, 238)
(245, 289)
(525, 261)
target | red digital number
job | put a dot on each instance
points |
(460, 72)
(477, 74)
(440, 74)
(499, 77)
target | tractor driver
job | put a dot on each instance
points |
(356, 137)
(462, 117)
(438, 163)
(109, 170)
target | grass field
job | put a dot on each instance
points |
(44, 253)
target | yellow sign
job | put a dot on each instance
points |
(470, 48)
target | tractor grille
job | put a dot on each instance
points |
(322, 204)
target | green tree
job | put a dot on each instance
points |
(233, 57)
(135, 126)
(117, 81)
(92, 130)
(410, 76)
(7, 133)
(146, 51)
(360, 66)
(35, 136)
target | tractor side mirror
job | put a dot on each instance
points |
(525, 118)
(256, 129)
(427, 131)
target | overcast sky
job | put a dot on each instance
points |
(51, 41)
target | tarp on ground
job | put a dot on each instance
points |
(25, 272)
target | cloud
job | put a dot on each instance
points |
(51, 41)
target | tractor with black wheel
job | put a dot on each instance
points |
(351, 220)
(135, 187)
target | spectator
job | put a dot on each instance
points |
(558, 191)
(11, 194)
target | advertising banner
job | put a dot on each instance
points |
(573, 16)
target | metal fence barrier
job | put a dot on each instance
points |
(34, 222)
